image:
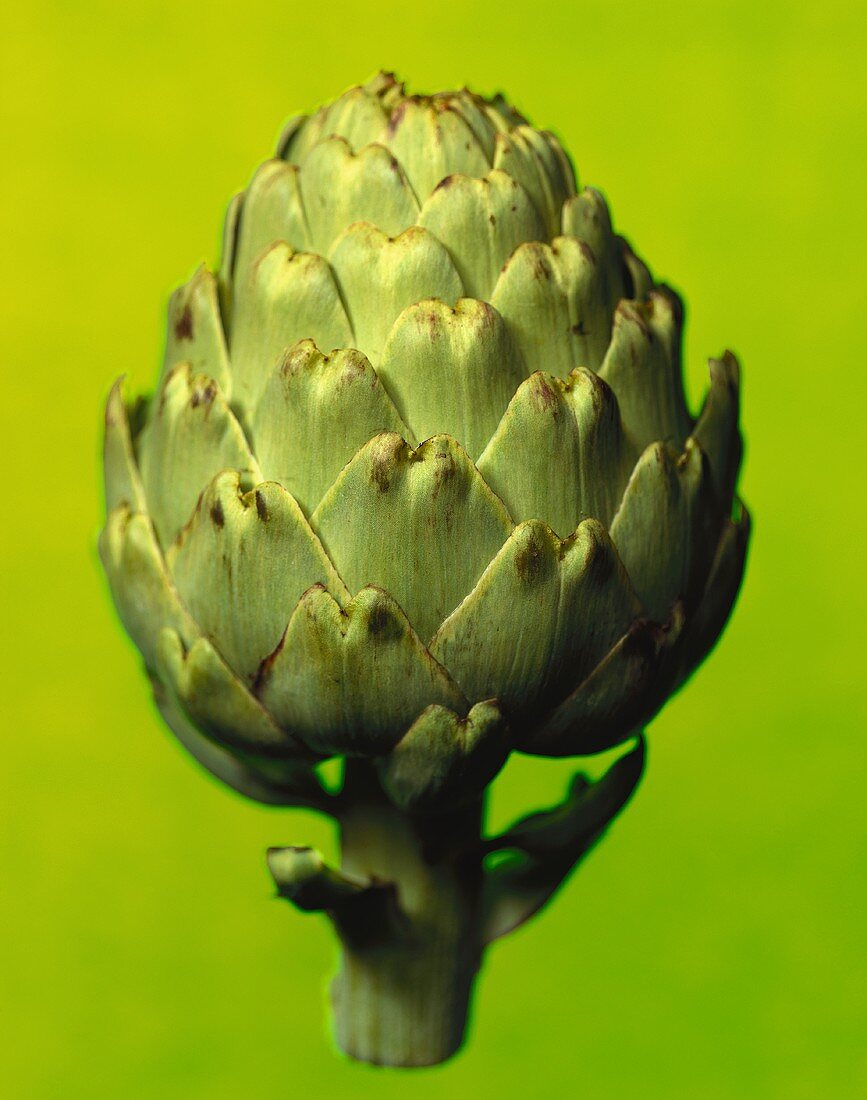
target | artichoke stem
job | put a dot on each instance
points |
(402, 995)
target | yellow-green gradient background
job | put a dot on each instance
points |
(711, 948)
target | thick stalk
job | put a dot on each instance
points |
(402, 995)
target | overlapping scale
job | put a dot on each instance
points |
(559, 453)
(380, 276)
(122, 480)
(431, 140)
(142, 591)
(315, 412)
(481, 222)
(242, 564)
(391, 505)
(358, 117)
(195, 330)
(339, 187)
(287, 296)
(532, 158)
(666, 525)
(352, 679)
(556, 304)
(217, 701)
(272, 210)
(190, 437)
(642, 366)
(451, 371)
(717, 431)
(543, 614)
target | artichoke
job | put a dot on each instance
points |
(419, 487)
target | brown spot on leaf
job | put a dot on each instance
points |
(217, 514)
(383, 624)
(530, 563)
(543, 396)
(492, 218)
(184, 324)
(203, 395)
(261, 507)
(380, 471)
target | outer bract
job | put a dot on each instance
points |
(419, 487)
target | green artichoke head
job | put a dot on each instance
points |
(419, 481)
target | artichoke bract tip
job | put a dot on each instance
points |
(419, 487)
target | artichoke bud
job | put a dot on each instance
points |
(418, 485)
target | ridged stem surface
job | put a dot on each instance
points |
(402, 995)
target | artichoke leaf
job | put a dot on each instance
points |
(542, 615)
(272, 211)
(559, 453)
(190, 436)
(217, 701)
(444, 760)
(586, 217)
(295, 784)
(666, 525)
(552, 842)
(474, 112)
(286, 296)
(340, 187)
(642, 366)
(392, 507)
(142, 590)
(195, 330)
(241, 565)
(431, 141)
(380, 276)
(122, 479)
(452, 371)
(358, 117)
(721, 591)
(556, 304)
(619, 695)
(314, 413)
(351, 679)
(716, 430)
(481, 222)
(530, 158)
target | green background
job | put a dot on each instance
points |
(712, 947)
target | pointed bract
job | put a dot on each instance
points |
(314, 414)
(242, 564)
(142, 590)
(380, 276)
(350, 680)
(122, 480)
(716, 430)
(272, 211)
(432, 141)
(341, 187)
(217, 701)
(556, 305)
(287, 296)
(642, 366)
(190, 436)
(386, 517)
(481, 222)
(559, 453)
(451, 371)
(443, 759)
(664, 529)
(195, 331)
(543, 614)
